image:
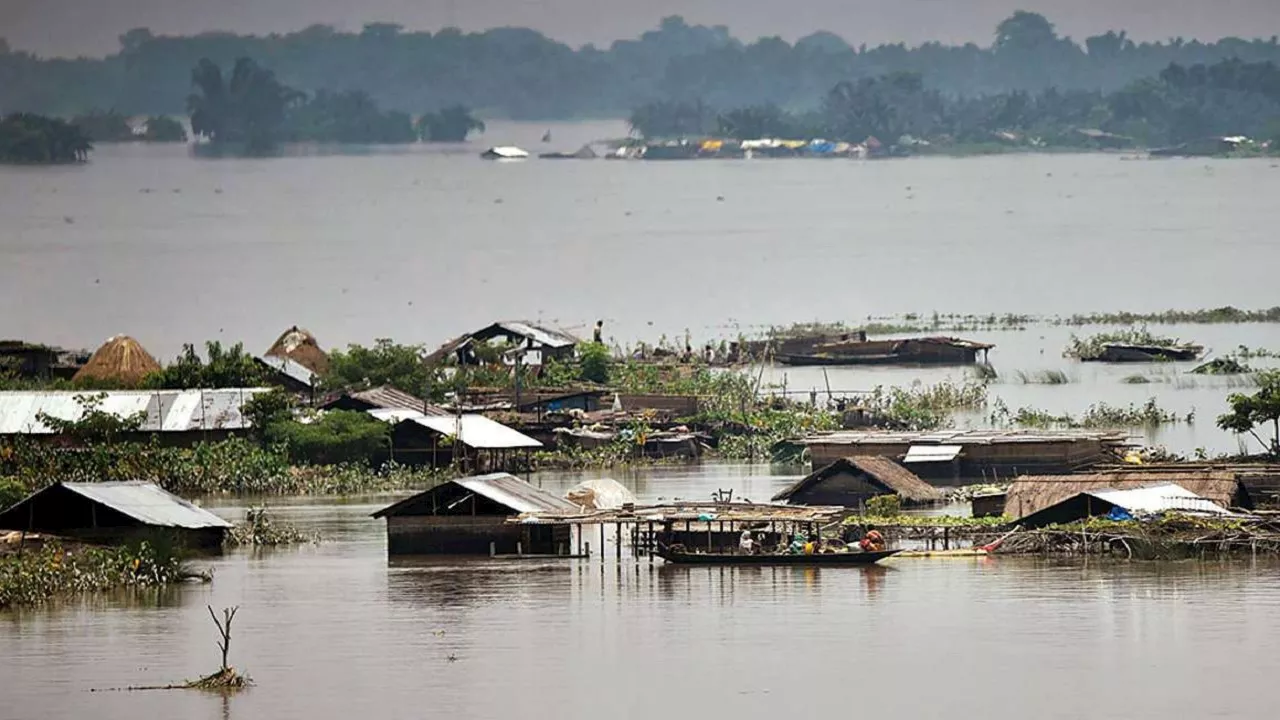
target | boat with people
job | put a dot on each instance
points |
(678, 555)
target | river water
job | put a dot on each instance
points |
(335, 630)
(423, 243)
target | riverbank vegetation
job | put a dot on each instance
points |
(261, 528)
(1193, 107)
(54, 570)
(27, 139)
(1251, 414)
(412, 70)
(110, 126)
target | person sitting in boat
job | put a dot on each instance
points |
(746, 544)
(873, 541)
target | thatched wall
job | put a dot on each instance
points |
(1034, 493)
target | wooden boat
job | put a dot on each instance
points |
(682, 557)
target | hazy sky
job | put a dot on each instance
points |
(71, 27)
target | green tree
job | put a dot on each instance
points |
(104, 126)
(226, 368)
(162, 128)
(94, 425)
(26, 138)
(385, 363)
(247, 110)
(347, 117)
(450, 124)
(334, 438)
(594, 360)
(1251, 412)
(267, 409)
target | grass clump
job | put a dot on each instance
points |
(261, 529)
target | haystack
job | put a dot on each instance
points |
(301, 347)
(122, 360)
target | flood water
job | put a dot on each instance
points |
(335, 630)
(423, 243)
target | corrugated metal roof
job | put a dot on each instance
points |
(477, 431)
(502, 488)
(166, 410)
(148, 503)
(538, 333)
(932, 453)
(515, 493)
(290, 369)
(1160, 498)
(963, 437)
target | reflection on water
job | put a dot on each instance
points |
(338, 630)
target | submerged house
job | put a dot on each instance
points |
(468, 516)
(851, 481)
(536, 343)
(985, 455)
(479, 443)
(1124, 505)
(1029, 496)
(115, 512)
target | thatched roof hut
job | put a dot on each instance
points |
(301, 347)
(121, 359)
(853, 480)
(1034, 493)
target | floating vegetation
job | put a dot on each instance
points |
(1136, 380)
(1244, 352)
(261, 529)
(54, 570)
(1222, 366)
(1094, 346)
(1209, 316)
(1097, 416)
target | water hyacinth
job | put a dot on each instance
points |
(54, 570)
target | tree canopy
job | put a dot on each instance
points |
(26, 138)
(520, 73)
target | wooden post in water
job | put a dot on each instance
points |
(651, 543)
(602, 544)
(493, 549)
(618, 534)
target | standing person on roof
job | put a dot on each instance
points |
(597, 336)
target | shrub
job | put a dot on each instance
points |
(338, 436)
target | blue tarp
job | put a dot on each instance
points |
(1119, 513)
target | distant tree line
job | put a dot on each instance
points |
(1179, 105)
(252, 111)
(522, 74)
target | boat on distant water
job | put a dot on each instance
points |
(856, 349)
(504, 152)
(679, 556)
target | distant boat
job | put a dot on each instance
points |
(546, 137)
(504, 152)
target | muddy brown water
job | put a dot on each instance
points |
(336, 630)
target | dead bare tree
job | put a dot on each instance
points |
(224, 629)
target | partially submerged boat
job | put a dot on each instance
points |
(679, 556)
(856, 349)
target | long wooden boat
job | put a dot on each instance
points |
(681, 557)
